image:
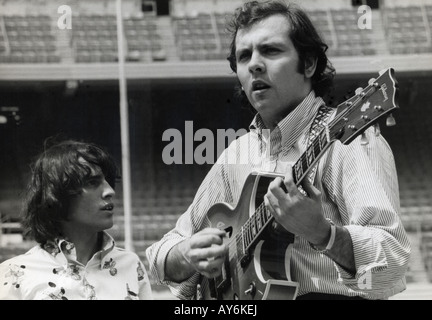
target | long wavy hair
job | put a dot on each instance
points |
(303, 35)
(58, 174)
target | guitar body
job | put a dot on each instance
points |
(260, 272)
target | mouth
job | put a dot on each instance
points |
(108, 207)
(259, 86)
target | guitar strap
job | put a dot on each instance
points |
(318, 124)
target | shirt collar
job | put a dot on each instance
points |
(67, 247)
(294, 124)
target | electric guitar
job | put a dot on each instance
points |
(255, 267)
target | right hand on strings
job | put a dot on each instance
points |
(205, 251)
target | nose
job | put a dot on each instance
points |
(256, 63)
(108, 191)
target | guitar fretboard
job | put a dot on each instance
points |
(253, 226)
(311, 155)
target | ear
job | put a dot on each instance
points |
(310, 66)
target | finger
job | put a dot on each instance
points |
(266, 202)
(213, 252)
(269, 207)
(311, 190)
(204, 240)
(209, 265)
(272, 204)
(210, 269)
(275, 188)
(289, 183)
(214, 231)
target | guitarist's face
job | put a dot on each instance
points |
(268, 68)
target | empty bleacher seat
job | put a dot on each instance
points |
(407, 31)
(30, 40)
(346, 39)
(196, 37)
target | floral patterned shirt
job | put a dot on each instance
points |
(52, 272)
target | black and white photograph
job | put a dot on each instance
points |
(225, 150)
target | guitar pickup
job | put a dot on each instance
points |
(226, 276)
(245, 260)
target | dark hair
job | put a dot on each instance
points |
(303, 34)
(58, 175)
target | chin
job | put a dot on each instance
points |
(107, 224)
(259, 107)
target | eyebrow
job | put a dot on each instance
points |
(261, 46)
(268, 43)
(97, 175)
(96, 172)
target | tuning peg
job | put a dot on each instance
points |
(372, 82)
(390, 122)
(358, 90)
(364, 140)
(377, 129)
(379, 108)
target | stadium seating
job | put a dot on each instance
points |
(408, 30)
(202, 36)
(29, 39)
(95, 38)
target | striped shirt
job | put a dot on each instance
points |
(359, 189)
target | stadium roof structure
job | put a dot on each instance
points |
(345, 66)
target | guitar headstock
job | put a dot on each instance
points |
(363, 110)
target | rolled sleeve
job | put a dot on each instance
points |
(381, 261)
(157, 254)
(368, 202)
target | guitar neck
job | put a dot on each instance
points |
(311, 156)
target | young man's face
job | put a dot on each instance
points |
(92, 210)
(267, 67)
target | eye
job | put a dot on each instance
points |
(94, 182)
(271, 50)
(242, 56)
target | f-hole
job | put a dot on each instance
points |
(229, 230)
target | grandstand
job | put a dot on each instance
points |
(65, 81)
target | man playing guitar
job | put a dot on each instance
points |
(345, 237)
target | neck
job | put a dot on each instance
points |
(86, 244)
(271, 119)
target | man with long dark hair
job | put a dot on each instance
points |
(69, 206)
(349, 242)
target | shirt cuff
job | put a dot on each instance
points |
(163, 254)
(369, 257)
(186, 289)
